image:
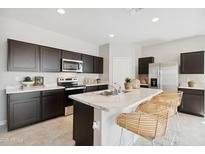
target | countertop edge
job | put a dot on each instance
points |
(17, 91)
(96, 84)
(108, 109)
(191, 88)
(87, 103)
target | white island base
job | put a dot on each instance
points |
(95, 116)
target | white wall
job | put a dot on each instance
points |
(170, 52)
(131, 51)
(28, 33)
(138, 54)
(119, 50)
(104, 51)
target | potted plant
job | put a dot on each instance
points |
(98, 80)
(27, 81)
(127, 83)
(191, 83)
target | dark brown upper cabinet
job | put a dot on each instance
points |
(71, 55)
(143, 64)
(192, 62)
(87, 63)
(30, 57)
(98, 65)
(50, 59)
(22, 56)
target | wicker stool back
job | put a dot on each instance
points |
(149, 120)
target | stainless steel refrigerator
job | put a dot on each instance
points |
(163, 76)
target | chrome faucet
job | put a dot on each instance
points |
(116, 91)
(119, 90)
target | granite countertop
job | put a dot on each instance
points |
(119, 101)
(196, 88)
(17, 89)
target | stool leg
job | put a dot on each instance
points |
(178, 120)
(121, 136)
(178, 127)
(153, 142)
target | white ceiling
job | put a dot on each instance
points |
(95, 25)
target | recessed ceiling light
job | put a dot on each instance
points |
(112, 35)
(61, 11)
(155, 19)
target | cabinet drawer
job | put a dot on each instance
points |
(52, 92)
(102, 87)
(192, 91)
(91, 88)
(21, 96)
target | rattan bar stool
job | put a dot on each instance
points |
(171, 100)
(148, 121)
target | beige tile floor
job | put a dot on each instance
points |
(52, 132)
(59, 132)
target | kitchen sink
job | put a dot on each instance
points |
(107, 93)
(111, 93)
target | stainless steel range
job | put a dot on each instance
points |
(72, 86)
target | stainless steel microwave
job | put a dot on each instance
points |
(69, 65)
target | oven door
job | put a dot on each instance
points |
(71, 65)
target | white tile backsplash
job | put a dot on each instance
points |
(199, 79)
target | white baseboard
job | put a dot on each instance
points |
(3, 122)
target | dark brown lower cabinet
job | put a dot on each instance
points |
(102, 87)
(192, 102)
(82, 124)
(28, 108)
(96, 88)
(23, 110)
(52, 104)
(144, 86)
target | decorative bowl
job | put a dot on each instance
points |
(27, 84)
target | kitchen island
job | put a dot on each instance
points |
(95, 115)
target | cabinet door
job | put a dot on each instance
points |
(193, 102)
(50, 59)
(23, 112)
(52, 104)
(192, 63)
(23, 56)
(102, 87)
(71, 55)
(83, 118)
(87, 63)
(98, 65)
(91, 88)
(143, 64)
